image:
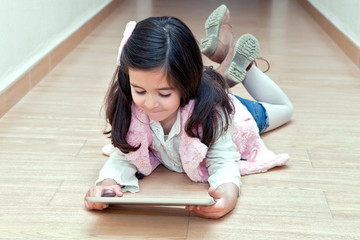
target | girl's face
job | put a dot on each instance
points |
(151, 92)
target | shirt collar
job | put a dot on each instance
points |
(175, 129)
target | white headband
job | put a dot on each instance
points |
(127, 33)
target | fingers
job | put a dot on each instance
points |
(95, 206)
(117, 190)
(212, 215)
(214, 211)
(214, 194)
(94, 192)
(112, 191)
(101, 191)
(108, 193)
(206, 211)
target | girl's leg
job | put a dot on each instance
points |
(278, 106)
(273, 108)
(235, 69)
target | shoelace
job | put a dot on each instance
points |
(263, 59)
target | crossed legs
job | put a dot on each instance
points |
(236, 58)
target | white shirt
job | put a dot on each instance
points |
(221, 159)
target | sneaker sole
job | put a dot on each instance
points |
(209, 44)
(246, 50)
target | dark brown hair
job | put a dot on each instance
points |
(167, 43)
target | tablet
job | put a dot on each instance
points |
(153, 201)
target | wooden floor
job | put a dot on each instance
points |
(50, 142)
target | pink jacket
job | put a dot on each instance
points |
(257, 158)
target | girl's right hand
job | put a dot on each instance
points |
(106, 187)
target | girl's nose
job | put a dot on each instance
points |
(151, 102)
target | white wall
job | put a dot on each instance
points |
(29, 29)
(344, 14)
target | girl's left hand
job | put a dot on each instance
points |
(225, 197)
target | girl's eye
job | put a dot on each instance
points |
(140, 92)
(165, 95)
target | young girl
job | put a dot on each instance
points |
(165, 107)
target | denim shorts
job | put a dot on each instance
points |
(258, 112)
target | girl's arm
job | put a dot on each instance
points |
(225, 196)
(116, 176)
(121, 171)
(222, 161)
